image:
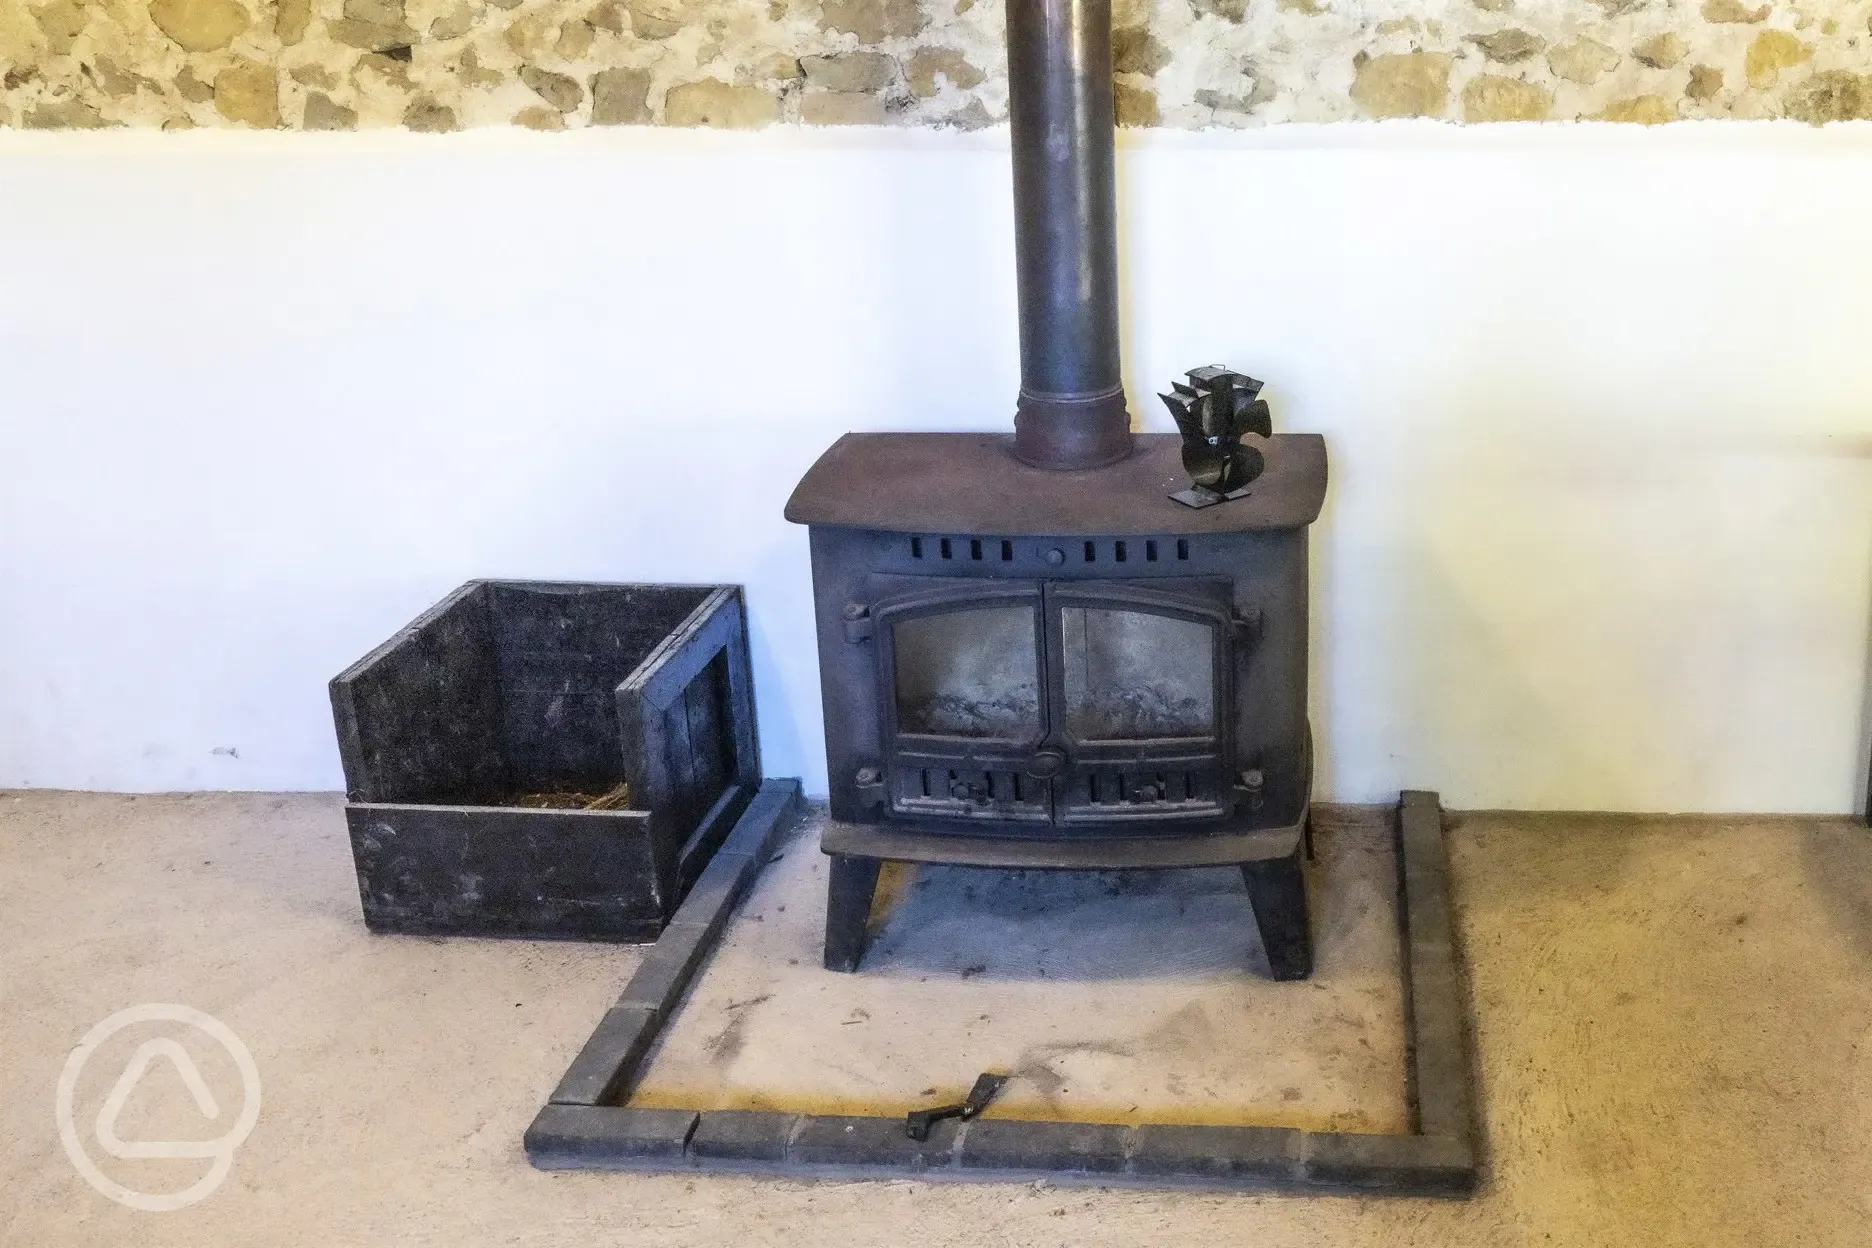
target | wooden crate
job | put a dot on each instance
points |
(507, 689)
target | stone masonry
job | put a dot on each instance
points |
(440, 65)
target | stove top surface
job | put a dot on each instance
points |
(971, 484)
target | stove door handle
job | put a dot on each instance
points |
(1046, 763)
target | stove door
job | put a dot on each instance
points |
(964, 663)
(1139, 682)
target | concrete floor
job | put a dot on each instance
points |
(1674, 1022)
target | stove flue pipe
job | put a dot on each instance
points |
(1072, 408)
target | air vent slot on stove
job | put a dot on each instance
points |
(1002, 550)
(980, 549)
(967, 792)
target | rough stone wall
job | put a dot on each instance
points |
(437, 65)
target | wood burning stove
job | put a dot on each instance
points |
(1050, 650)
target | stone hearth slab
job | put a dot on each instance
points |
(1111, 997)
(1145, 1045)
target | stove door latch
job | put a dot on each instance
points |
(857, 619)
(869, 782)
(1252, 786)
(1247, 625)
(1046, 762)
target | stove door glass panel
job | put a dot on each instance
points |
(968, 673)
(1136, 676)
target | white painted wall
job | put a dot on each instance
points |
(1598, 401)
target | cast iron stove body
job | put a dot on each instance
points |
(1031, 654)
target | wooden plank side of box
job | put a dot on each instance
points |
(493, 871)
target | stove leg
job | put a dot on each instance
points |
(1277, 890)
(848, 908)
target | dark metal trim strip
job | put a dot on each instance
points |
(584, 1128)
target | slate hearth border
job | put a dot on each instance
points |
(583, 1126)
